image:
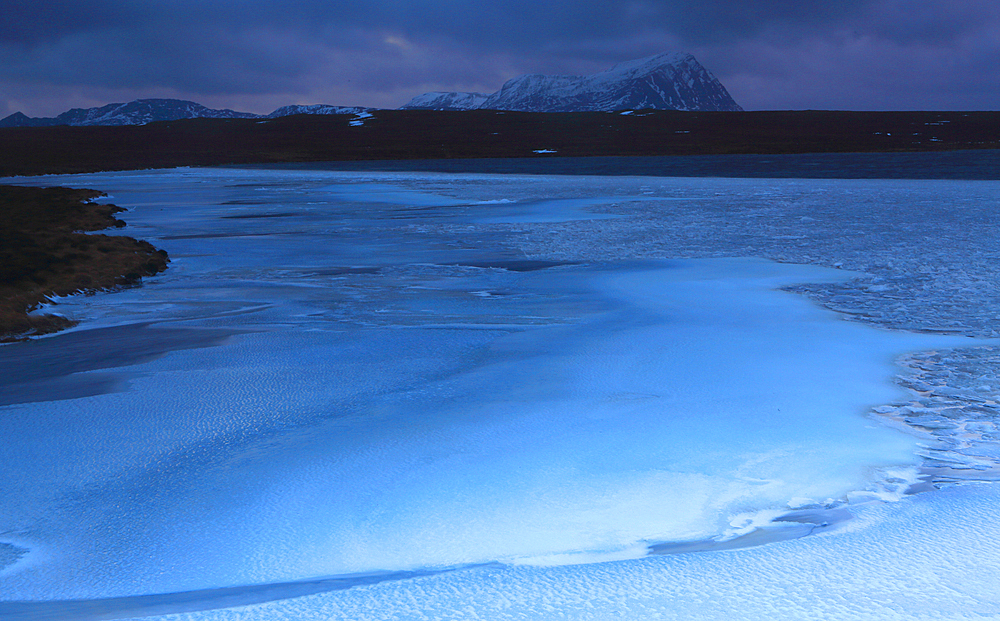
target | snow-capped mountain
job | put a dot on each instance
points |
(137, 112)
(317, 109)
(672, 81)
(446, 101)
(145, 111)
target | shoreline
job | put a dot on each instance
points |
(48, 249)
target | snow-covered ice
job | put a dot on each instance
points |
(519, 386)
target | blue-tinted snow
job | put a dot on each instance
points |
(411, 371)
(927, 559)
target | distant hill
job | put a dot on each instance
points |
(447, 101)
(316, 109)
(137, 112)
(144, 111)
(672, 81)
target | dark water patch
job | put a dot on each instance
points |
(516, 265)
(10, 554)
(229, 235)
(792, 525)
(45, 369)
(255, 216)
(62, 388)
(966, 165)
(343, 271)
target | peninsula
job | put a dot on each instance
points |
(45, 252)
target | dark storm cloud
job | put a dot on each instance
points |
(771, 53)
(509, 24)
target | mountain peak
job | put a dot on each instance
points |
(670, 81)
(652, 63)
(18, 119)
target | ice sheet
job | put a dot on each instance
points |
(399, 375)
(902, 561)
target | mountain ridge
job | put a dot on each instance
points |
(446, 101)
(143, 111)
(668, 81)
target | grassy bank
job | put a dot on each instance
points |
(44, 252)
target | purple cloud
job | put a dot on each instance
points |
(256, 55)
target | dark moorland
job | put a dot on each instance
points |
(42, 253)
(424, 134)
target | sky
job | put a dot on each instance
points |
(256, 55)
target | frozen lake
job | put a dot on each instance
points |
(415, 395)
